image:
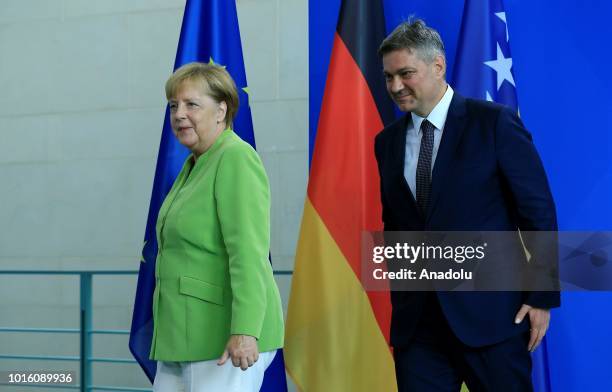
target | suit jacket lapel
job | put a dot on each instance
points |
(399, 156)
(453, 129)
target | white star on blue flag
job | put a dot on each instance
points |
(484, 61)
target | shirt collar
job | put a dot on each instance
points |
(438, 115)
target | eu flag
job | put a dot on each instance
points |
(483, 69)
(209, 33)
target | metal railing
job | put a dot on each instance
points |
(85, 332)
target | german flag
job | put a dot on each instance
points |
(337, 334)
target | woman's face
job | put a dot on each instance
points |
(197, 119)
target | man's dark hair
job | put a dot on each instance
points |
(414, 36)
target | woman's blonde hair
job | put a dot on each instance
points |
(215, 81)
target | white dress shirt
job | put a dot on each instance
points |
(413, 137)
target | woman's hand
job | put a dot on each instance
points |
(242, 349)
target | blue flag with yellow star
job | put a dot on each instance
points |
(483, 69)
(209, 33)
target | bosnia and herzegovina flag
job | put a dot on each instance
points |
(483, 63)
(483, 69)
(209, 33)
(337, 333)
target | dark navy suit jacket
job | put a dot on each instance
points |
(488, 177)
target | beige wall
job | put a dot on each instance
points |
(81, 111)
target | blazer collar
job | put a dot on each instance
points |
(399, 155)
(456, 121)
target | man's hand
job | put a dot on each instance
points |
(242, 349)
(539, 319)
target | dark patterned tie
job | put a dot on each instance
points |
(423, 172)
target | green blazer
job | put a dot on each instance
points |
(213, 275)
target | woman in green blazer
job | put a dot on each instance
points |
(215, 303)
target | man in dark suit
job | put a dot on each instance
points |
(458, 164)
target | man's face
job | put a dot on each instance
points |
(414, 85)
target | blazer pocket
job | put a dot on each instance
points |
(201, 290)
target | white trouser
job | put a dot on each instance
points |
(207, 376)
